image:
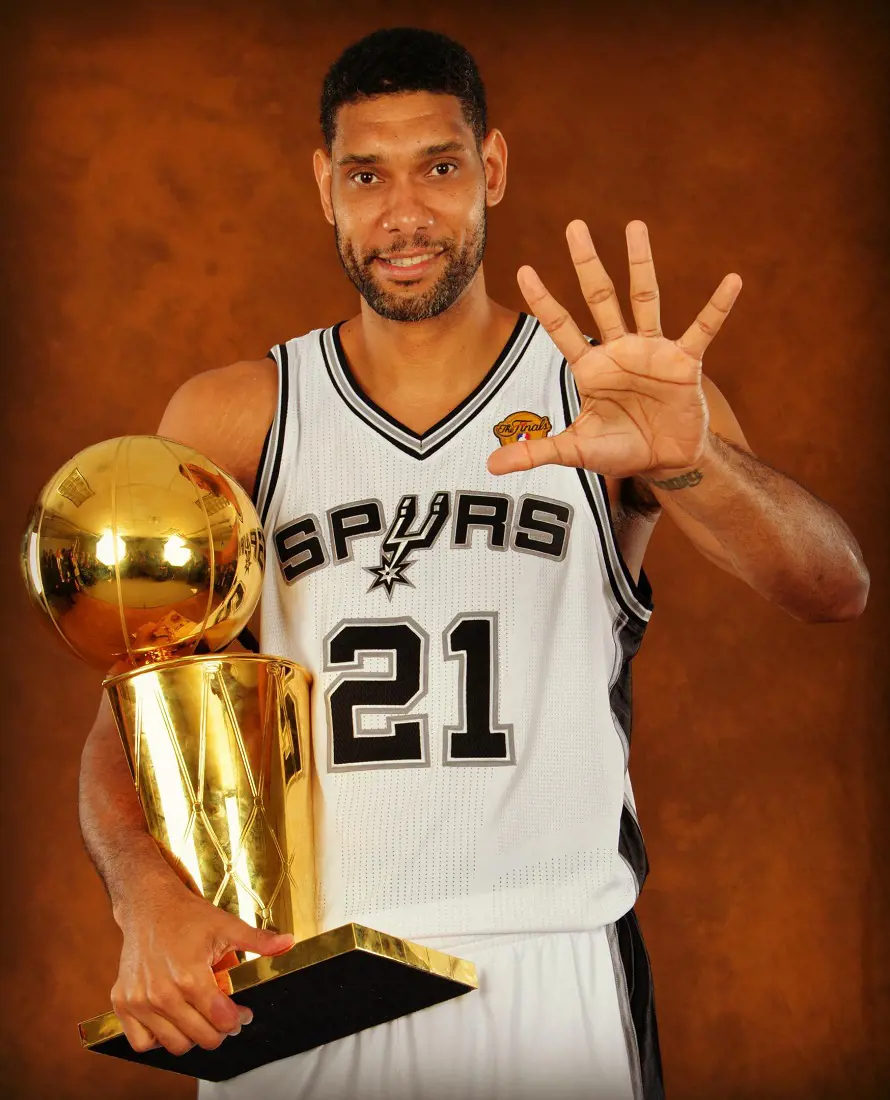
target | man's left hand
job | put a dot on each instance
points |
(643, 409)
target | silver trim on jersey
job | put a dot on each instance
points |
(627, 1021)
(617, 568)
(421, 446)
(619, 623)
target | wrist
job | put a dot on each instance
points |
(152, 885)
(681, 477)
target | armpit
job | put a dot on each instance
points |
(635, 496)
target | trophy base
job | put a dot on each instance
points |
(324, 988)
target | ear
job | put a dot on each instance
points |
(494, 161)
(321, 164)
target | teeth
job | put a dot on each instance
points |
(411, 261)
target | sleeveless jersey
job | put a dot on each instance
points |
(469, 638)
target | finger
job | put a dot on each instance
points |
(217, 1008)
(244, 937)
(705, 327)
(554, 317)
(197, 1028)
(596, 286)
(146, 1029)
(138, 1035)
(644, 297)
(559, 449)
(195, 1008)
(169, 1035)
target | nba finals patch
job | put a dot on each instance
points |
(522, 425)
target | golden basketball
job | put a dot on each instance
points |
(142, 549)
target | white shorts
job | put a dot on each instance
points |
(557, 1015)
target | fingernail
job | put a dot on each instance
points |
(246, 1015)
(237, 1031)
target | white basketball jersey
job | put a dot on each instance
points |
(470, 639)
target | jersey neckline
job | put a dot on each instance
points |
(424, 444)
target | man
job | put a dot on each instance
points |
(470, 633)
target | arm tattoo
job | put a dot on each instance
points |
(693, 477)
(680, 482)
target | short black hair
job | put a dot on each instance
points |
(403, 59)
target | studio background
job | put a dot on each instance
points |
(161, 218)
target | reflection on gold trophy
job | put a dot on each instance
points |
(141, 551)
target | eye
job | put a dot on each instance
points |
(443, 164)
(363, 178)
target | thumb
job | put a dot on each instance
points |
(244, 937)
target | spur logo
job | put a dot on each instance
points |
(405, 535)
(530, 525)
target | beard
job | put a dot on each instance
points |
(460, 267)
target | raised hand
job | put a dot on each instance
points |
(643, 410)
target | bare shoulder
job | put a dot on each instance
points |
(225, 414)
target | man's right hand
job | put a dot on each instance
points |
(166, 993)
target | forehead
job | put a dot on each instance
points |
(399, 122)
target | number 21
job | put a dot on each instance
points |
(479, 738)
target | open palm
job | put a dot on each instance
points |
(643, 409)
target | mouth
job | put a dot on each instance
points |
(407, 267)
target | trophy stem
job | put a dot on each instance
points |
(220, 753)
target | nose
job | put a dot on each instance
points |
(405, 211)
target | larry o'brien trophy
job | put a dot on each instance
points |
(141, 550)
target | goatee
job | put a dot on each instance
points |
(460, 268)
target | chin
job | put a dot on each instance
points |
(407, 307)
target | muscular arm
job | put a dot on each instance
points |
(111, 820)
(764, 527)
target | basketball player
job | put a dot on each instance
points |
(457, 500)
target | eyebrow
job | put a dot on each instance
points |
(452, 146)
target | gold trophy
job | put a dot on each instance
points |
(141, 550)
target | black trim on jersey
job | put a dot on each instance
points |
(364, 419)
(631, 847)
(248, 639)
(641, 996)
(459, 416)
(279, 442)
(362, 396)
(254, 496)
(629, 637)
(641, 591)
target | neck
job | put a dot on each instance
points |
(419, 371)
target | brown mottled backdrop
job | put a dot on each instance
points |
(161, 218)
